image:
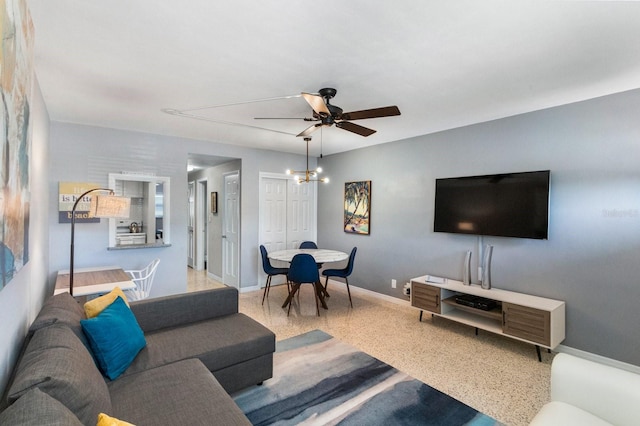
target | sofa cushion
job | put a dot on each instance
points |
(61, 309)
(115, 338)
(57, 363)
(93, 307)
(37, 408)
(218, 343)
(182, 393)
(184, 309)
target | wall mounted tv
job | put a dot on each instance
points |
(503, 205)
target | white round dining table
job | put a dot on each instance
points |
(319, 255)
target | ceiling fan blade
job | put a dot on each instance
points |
(280, 118)
(371, 113)
(355, 128)
(317, 103)
(309, 130)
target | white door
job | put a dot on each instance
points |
(274, 205)
(231, 230)
(301, 223)
(190, 225)
(199, 257)
(287, 215)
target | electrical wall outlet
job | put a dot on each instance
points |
(393, 283)
(407, 289)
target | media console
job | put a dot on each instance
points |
(532, 319)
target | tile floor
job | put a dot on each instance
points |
(496, 375)
(198, 280)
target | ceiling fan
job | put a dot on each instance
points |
(327, 114)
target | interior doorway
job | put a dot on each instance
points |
(201, 216)
(205, 225)
(191, 202)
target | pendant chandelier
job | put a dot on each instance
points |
(308, 175)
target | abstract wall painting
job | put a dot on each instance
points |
(16, 77)
(357, 207)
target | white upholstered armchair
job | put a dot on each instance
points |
(587, 393)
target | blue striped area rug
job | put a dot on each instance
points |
(318, 380)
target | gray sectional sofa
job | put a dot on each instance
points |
(170, 382)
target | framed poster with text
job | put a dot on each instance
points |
(68, 193)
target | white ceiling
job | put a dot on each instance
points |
(445, 64)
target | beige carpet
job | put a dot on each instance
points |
(495, 375)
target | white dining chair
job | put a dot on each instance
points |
(143, 279)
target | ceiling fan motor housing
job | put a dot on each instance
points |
(327, 92)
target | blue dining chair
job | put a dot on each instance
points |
(341, 273)
(270, 271)
(302, 270)
(308, 245)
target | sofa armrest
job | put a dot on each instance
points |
(607, 392)
(185, 308)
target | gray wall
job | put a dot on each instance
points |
(21, 299)
(87, 154)
(592, 257)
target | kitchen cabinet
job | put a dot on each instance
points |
(127, 188)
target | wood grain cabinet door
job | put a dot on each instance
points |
(425, 297)
(526, 323)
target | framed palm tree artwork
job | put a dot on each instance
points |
(357, 207)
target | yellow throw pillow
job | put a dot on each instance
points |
(104, 420)
(93, 307)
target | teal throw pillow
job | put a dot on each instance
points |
(115, 338)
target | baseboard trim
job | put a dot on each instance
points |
(248, 289)
(214, 277)
(372, 293)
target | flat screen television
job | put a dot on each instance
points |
(503, 205)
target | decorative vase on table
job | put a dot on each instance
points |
(486, 267)
(466, 269)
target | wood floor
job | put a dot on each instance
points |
(496, 375)
(199, 280)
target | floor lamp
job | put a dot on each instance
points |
(102, 206)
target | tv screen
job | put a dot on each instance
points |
(504, 205)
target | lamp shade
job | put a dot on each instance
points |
(109, 206)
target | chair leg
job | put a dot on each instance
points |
(266, 288)
(294, 289)
(346, 280)
(319, 289)
(315, 293)
(326, 283)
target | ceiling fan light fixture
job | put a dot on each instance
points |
(308, 175)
